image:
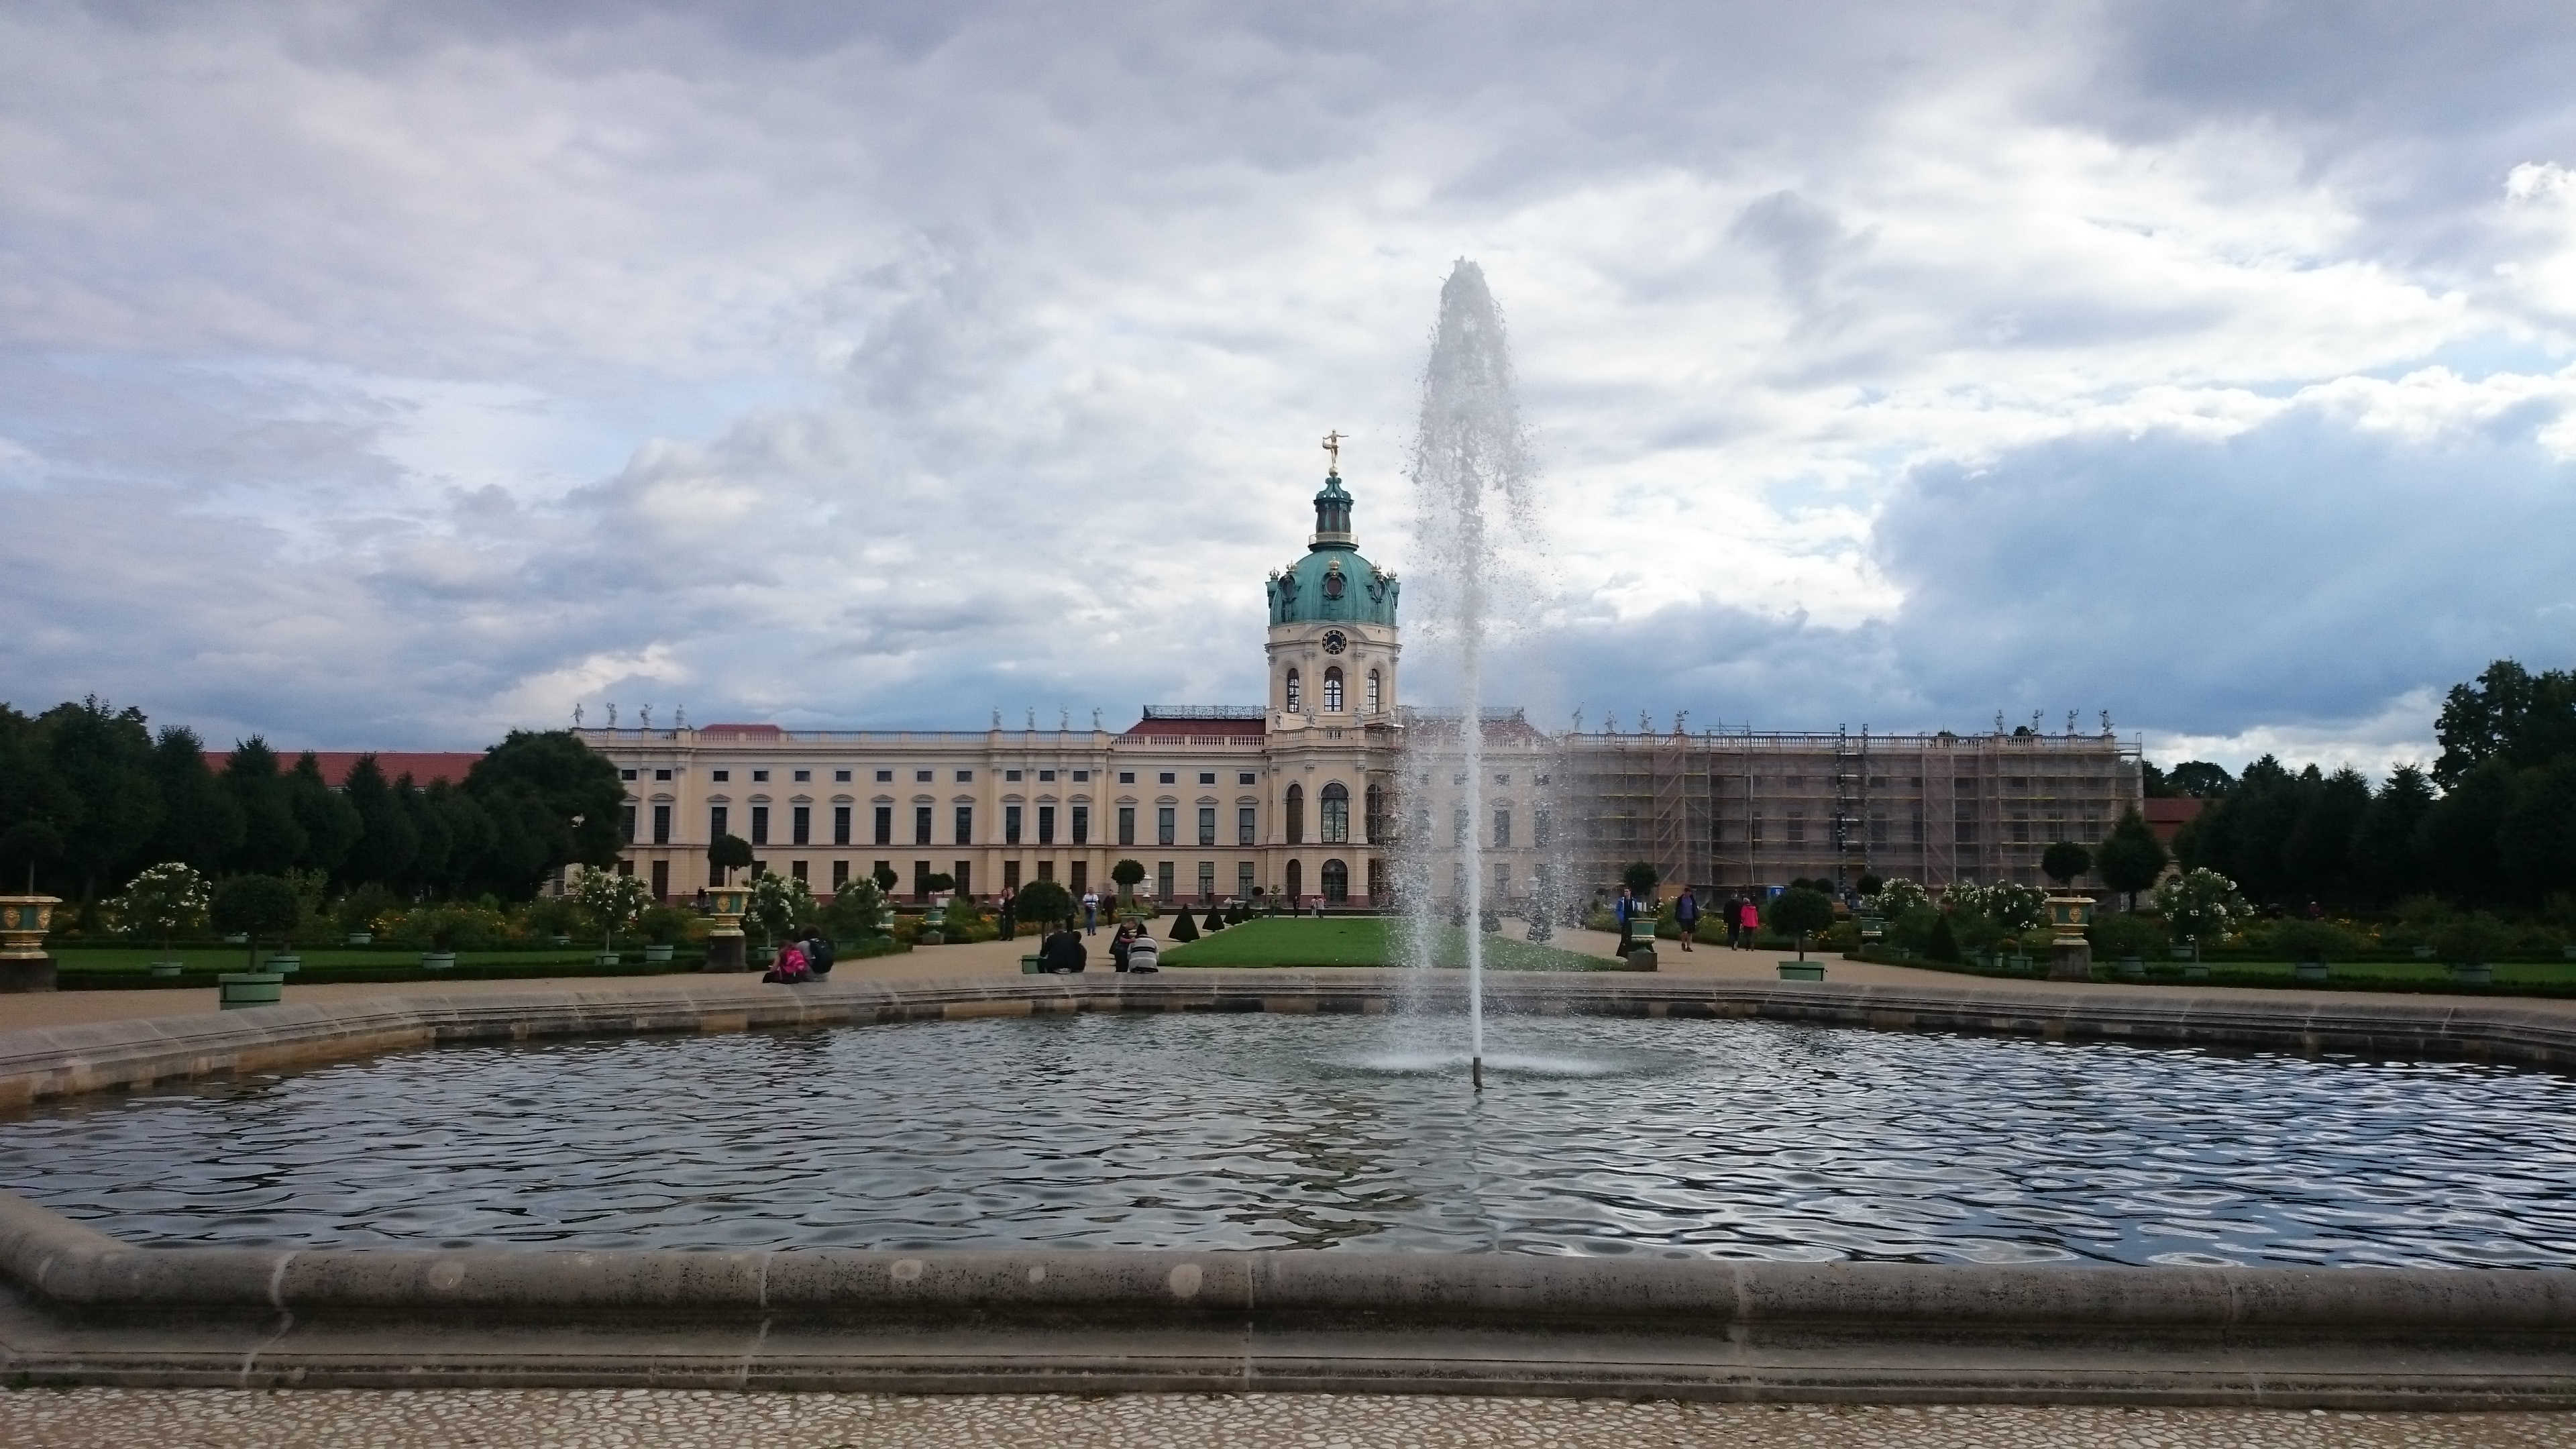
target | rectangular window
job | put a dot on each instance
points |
(720, 776)
(804, 776)
(1878, 830)
(626, 824)
(716, 822)
(1162, 880)
(1965, 830)
(1046, 825)
(661, 879)
(1081, 826)
(1502, 830)
(921, 825)
(965, 777)
(840, 777)
(1207, 826)
(796, 869)
(1045, 777)
(965, 825)
(965, 877)
(661, 774)
(661, 825)
(1502, 881)
(1126, 777)
(1011, 775)
(1918, 827)
(800, 825)
(1081, 880)
(1542, 828)
(1126, 825)
(1165, 823)
(1010, 825)
(626, 774)
(840, 825)
(1243, 826)
(1081, 777)
(1010, 875)
(884, 825)
(921, 777)
(885, 777)
(2021, 830)
(760, 825)
(921, 877)
(1243, 777)
(1046, 870)
(1207, 880)
(1797, 828)
(760, 777)
(1207, 777)
(840, 875)
(1166, 778)
(626, 867)
(1458, 826)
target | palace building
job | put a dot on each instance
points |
(1309, 793)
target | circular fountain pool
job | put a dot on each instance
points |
(1595, 1136)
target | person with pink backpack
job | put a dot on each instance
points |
(793, 968)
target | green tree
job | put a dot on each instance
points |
(2507, 714)
(38, 811)
(1801, 913)
(2064, 861)
(103, 757)
(1127, 873)
(201, 823)
(387, 839)
(855, 910)
(1045, 903)
(330, 824)
(2201, 905)
(778, 904)
(1640, 878)
(1184, 928)
(272, 838)
(885, 878)
(2536, 838)
(2384, 863)
(2456, 843)
(728, 854)
(2014, 906)
(2131, 858)
(2199, 780)
(553, 800)
(1945, 942)
(255, 906)
(2318, 854)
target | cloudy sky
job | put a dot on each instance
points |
(394, 374)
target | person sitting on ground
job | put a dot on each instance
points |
(818, 953)
(792, 968)
(1142, 955)
(1119, 943)
(1063, 954)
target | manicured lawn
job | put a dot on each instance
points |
(1362, 941)
(112, 967)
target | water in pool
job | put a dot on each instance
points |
(1594, 1136)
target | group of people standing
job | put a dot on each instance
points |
(1741, 916)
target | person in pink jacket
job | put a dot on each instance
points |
(1751, 921)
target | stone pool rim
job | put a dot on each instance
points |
(82, 1307)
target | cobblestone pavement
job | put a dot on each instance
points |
(646, 1419)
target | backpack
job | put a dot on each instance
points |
(819, 959)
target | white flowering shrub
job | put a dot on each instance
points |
(2201, 905)
(163, 901)
(612, 901)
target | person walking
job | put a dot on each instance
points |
(1091, 913)
(1686, 915)
(1751, 919)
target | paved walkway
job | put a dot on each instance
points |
(1002, 958)
(647, 1419)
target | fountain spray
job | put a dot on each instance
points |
(1470, 457)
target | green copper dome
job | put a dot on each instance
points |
(1333, 581)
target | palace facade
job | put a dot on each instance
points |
(1311, 793)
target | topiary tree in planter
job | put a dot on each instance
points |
(728, 853)
(254, 906)
(162, 902)
(2131, 858)
(885, 878)
(2064, 861)
(2471, 943)
(1640, 878)
(1801, 913)
(1869, 884)
(1127, 873)
(1046, 903)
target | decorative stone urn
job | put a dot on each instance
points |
(24, 920)
(725, 944)
(2070, 956)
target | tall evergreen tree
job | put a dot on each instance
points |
(2384, 862)
(331, 826)
(2456, 844)
(2131, 858)
(201, 822)
(272, 839)
(2536, 838)
(387, 839)
(39, 811)
(2318, 854)
(103, 756)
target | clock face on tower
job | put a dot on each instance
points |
(1334, 642)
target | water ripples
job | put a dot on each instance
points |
(1595, 1136)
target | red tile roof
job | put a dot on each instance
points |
(422, 765)
(2167, 816)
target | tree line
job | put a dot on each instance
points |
(2491, 825)
(90, 795)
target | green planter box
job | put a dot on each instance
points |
(1029, 966)
(168, 968)
(2311, 970)
(239, 989)
(605, 958)
(2477, 973)
(2423, 953)
(657, 954)
(1802, 970)
(281, 964)
(2132, 966)
(2195, 970)
(437, 960)
(362, 938)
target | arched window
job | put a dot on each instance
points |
(1373, 693)
(1296, 817)
(1337, 813)
(1296, 882)
(1296, 694)
(1333, 690)
(1337, 883)
(1373, 821)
